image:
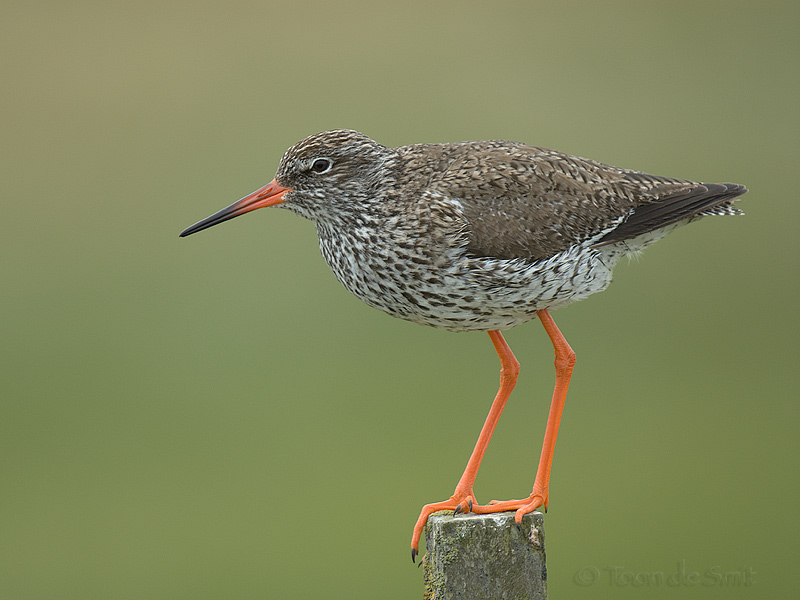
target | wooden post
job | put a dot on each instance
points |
(483, 557)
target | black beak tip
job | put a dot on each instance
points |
(199, 226)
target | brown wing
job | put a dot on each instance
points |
(527, 202)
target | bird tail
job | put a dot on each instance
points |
(699, 199)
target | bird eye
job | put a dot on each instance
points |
(321, 165)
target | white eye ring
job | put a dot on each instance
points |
(321, 165)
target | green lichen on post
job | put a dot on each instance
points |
(478, 557)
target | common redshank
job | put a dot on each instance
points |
(477, 236)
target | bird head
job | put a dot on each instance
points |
(322, 177)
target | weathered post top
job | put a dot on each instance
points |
(483, 557)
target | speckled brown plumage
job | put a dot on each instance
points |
(477, 235)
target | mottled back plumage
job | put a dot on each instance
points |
(520, 201)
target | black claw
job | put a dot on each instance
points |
(457, 510)
(414, 555)
(470, 504)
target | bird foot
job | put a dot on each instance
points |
(458, 503)
(522, 506)
(464, 503)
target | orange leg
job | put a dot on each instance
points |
(564, 362)
(463, 499)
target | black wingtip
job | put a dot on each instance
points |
(677, 201)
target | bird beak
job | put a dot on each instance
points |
(270, 194)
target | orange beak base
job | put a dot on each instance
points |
(269, 195)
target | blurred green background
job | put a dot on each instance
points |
(216, 417)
